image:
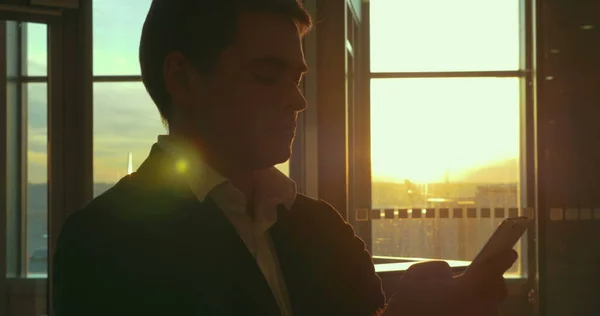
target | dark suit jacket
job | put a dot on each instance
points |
(149, 247)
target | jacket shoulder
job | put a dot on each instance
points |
(315, 207)
(127, 204)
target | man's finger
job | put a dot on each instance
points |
(481, 284)
(494, 266)
(502, 262)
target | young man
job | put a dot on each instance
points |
(207, 225)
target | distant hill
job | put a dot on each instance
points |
(37, 198)
(100, 188)
(464, 187)
(505, 171)
(384, 193)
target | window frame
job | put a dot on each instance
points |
(304, 160)
(17, 48)
(17, 282)
(362, 192)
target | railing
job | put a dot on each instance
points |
(455, 234)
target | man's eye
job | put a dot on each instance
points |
(266, 79)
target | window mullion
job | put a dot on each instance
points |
(449, 74)
(307, 159)
(527, 146)
(70, 111)
(118, 78)
(4, 181)
(23, 145)
(361, 150)
(13, 153)
(33, 79)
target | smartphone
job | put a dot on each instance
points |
(504, 238)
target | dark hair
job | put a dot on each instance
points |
(199, 29)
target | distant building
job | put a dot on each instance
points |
(130, 163)
(497, 195)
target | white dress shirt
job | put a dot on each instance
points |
(273, 188)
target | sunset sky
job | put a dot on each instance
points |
(421, 128)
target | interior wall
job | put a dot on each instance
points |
(27, 305)
(568, 110)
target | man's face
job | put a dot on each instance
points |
(250, 103)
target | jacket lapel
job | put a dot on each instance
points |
(293, 250)
(248, 289)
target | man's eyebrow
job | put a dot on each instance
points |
(278, 63)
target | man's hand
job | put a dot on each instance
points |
(482, 287)
(429, 288)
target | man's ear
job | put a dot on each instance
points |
(177, 76)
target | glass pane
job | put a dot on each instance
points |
(443, 143)
(441, 35)
(117, 30)
(126, 124)
(37, 49)
(37, 180)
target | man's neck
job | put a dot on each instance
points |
(240, 177)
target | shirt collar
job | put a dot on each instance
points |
(272, 185)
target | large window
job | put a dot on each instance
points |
(445, 125)
(126, 121)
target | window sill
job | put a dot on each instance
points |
(26, 286)
(389, 272)
(517, 284)
(402, 264)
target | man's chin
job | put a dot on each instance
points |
(274, 157)
(275, 162)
